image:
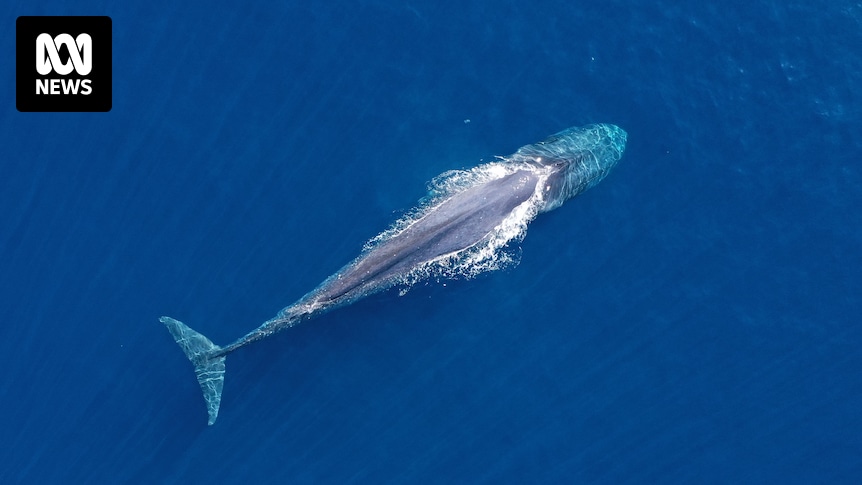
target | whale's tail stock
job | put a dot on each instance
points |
(209, 365)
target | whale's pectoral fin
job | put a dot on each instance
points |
(208, 368)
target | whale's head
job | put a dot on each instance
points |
(573, 160)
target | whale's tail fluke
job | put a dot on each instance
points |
(209, 367)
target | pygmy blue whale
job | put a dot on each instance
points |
(460, 229)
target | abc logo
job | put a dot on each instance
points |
(71, 69)
(48, 59)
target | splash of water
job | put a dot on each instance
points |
(494, 252)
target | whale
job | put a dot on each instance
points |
(466, 225)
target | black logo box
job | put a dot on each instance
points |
(28, 28)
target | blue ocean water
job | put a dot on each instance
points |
(694, 318)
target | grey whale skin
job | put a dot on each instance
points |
(461, 230)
